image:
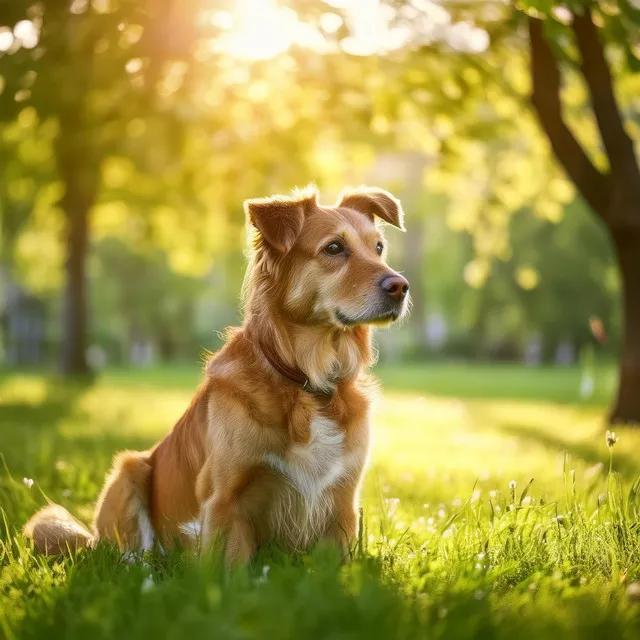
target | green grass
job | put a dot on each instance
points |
(448, 550)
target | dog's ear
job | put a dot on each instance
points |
(374, 202)
(279, 219)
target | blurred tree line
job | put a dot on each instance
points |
(130, 134)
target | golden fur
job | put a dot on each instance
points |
(256, 457)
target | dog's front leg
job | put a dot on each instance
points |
(228, 524)
(229, 514)
(343, 527)
(225, 521)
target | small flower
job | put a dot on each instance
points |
(512, 485)
(147, 584)
(265, 574)
(28, 482)
(611, 439)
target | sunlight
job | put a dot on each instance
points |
(257, 29)
(263, 29)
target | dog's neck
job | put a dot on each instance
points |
(325, 355)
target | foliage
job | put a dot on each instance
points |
(183, 131)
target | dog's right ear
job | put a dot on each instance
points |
(279, 219)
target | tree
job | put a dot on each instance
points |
(612, 194)
(93, 69)
(103, 72)
(480, 100)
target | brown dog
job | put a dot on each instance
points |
(275, 441)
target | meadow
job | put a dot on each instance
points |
(493, 508)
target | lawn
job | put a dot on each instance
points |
(489, 511)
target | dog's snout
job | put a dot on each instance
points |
(395, 286)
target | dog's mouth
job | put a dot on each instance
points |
(379, 319)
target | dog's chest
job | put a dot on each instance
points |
(314, 467)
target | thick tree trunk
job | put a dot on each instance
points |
(74, 303)
(627, 406)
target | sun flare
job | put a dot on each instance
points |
(257, 29)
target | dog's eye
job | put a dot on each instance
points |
(379, 248)
(334, 249)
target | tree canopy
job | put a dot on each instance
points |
(131, 132)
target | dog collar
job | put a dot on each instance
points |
(293, 374)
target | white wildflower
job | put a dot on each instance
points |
(147, 584)
(611, 438)
(265, 574)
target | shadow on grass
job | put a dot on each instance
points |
(66, 465)
(25, 422)
(627, 466)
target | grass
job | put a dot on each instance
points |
(489, 512)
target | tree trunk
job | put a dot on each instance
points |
(627, 407)
(74, 303)
(79, 168)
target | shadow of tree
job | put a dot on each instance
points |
(628, 467)
(67, 466)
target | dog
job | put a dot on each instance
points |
(274, 444)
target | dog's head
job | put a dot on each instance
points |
(326, 265)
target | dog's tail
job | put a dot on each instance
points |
(55, 531)
(121, 515)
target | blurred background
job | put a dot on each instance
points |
(132, 131)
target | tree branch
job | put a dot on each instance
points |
(592, 185)
(595, 69)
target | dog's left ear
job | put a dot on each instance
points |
(374, 202)
(279, 219)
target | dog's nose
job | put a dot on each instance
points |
(395, 286)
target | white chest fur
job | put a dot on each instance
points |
(314, 467)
